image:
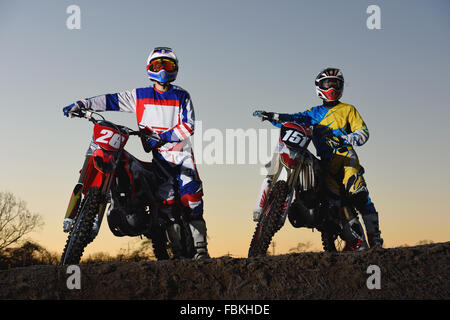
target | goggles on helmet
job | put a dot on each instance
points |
(159, 64)
(328, 83)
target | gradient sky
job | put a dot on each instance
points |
(235, 57)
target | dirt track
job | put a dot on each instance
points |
(420, 272)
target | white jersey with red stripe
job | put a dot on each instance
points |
(170, 114)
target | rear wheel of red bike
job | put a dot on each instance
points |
(269, 222)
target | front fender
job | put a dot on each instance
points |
(100, 167)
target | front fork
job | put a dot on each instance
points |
(292, 179)
(77, 194)
(75, 198)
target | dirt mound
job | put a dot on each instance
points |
(420, 272)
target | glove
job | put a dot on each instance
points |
(269, 116)
(334, 142)
(67, 224)
(73, 108)
(151, 141)
(154, 141)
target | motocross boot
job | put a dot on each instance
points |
(354, 245)
(365, 206)
(174, 235)
(198, 230)
(373, 230)
(353, 234)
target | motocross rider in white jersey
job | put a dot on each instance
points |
(166, 111)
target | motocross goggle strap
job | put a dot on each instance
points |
(328, 83)
(162, 50)
(159, 64)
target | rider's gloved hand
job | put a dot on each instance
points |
(154, 141)
(73, 108)
(269, 116)
(151, 141)
(334, 142)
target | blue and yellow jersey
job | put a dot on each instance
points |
(342, 120)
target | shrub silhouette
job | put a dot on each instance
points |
(29, 253)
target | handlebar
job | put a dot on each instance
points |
(88, 114)
(258, 114)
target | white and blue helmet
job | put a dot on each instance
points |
(162, 65)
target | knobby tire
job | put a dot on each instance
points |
(269, 223)
(81, 234)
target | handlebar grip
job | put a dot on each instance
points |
(258, 114)
(81, 113)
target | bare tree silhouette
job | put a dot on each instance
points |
(15, 220)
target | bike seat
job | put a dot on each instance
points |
(146, 165)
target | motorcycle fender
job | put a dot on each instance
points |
(99, 168)
(103, 161)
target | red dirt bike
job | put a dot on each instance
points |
(303, 197)
(111, 175)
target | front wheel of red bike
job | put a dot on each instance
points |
(81, 233)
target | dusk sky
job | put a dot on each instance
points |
(235, 57)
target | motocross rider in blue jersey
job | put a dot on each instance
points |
(338, 127)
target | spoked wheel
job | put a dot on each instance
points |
(269, 222)
(332, 242)
(81, 234)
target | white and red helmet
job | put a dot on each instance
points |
(330, 84)
(162, 65)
